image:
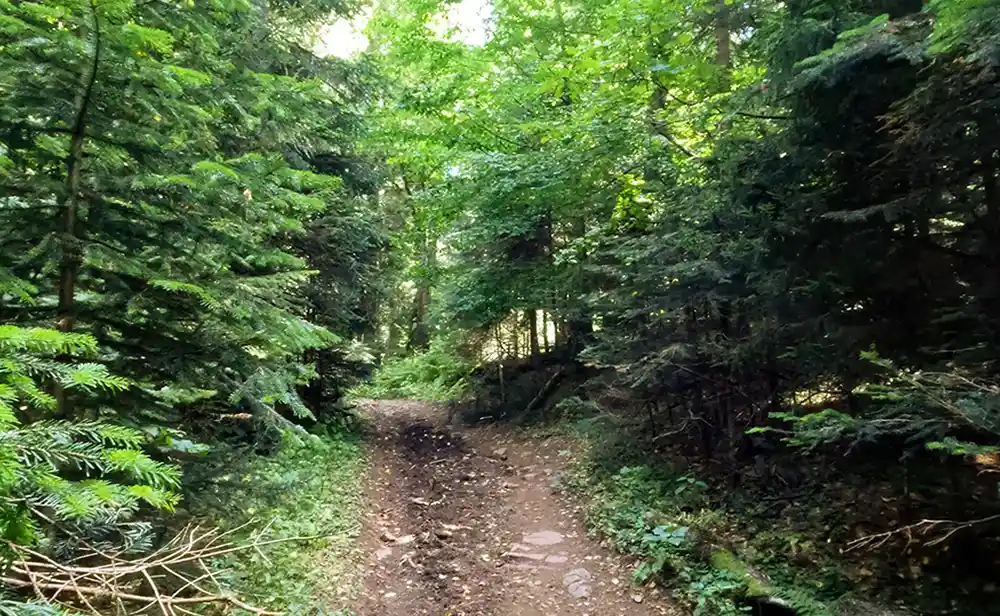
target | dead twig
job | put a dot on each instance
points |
(168, 581)
(921, 529)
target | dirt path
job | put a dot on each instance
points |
(467, 523)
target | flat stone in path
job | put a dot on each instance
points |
(544, 537)
(578, 583)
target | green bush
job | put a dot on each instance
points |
(661, 518)
(84, 475)
(65, 483)
(937, 410)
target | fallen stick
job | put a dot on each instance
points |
(544, 391)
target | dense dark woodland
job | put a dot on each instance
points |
(752, 244)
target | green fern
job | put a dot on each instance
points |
(804, 603)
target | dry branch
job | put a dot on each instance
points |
(923, 528)
(545, 391)
(167, 581)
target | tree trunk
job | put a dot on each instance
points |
(532, 317)
(515, 335)
(579, 327)
(420, 337)
(70, 244)
(723, 46)
(545, 330)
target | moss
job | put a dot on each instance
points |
(725, 560)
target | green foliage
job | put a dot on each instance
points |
(187, 201)
(88, 476)
(186, 241)
(310, 490)
(440, 373)
(16, 608)
(935, 410)
(960, 22)
(666, 521)
(643, 513)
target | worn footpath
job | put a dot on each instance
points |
(467, 522)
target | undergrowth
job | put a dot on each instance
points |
(310, 489)
(438, 374)
(687, 545)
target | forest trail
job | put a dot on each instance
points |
(467, 522)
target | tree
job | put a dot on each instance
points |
(63, 481)
(154, 145)
(180, 207)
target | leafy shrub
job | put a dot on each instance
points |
(665, 519)
(440, 373)
(660, 517)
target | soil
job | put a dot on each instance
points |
(468, 522)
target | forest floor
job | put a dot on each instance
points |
(470, 522)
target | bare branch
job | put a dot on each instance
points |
(134, 585)
(922, 529)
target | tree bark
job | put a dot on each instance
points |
(419, 337)
(70, 244)
(723, 46)
(545, 330)
(419, 328)
(532, 316)
(515, 336)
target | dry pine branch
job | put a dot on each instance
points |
(170, 581)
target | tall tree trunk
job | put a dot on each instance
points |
(532, 316)
(992, 195)
(70, 244)
(991, 295)
(419, 337)
(515, 336)
(579, 326)
(723, 45)
(545, 330)
(419, 327)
